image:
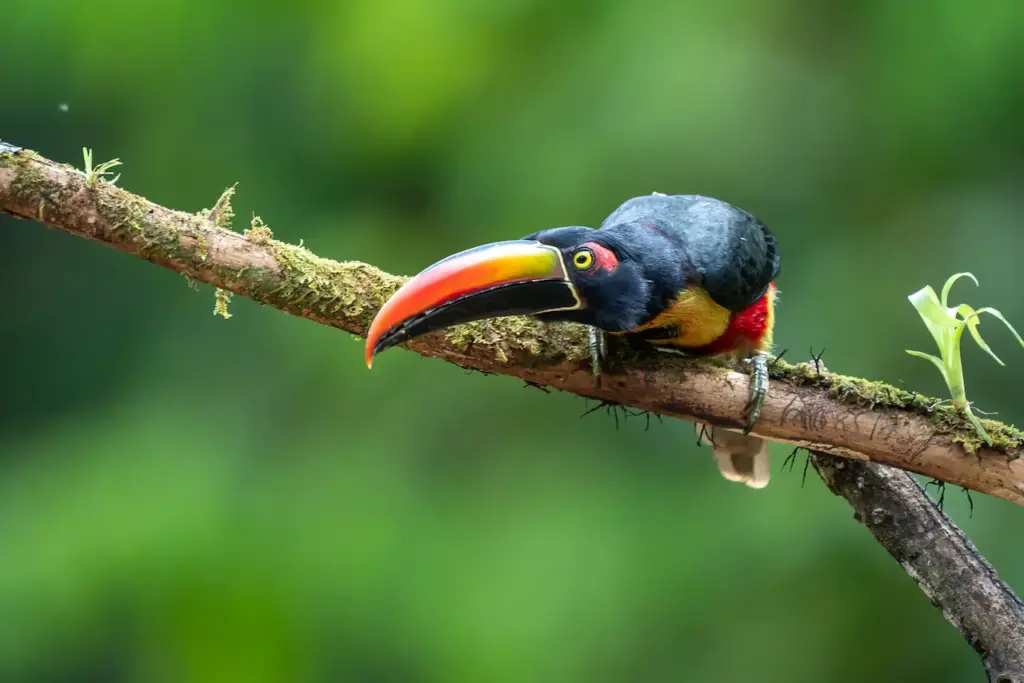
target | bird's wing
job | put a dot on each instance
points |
(729, 253)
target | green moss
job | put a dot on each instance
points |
(129, 219)
(953, 421)
(10, 154)
(258, 232)
(522, 340)
(494, 334)
(29, 180)
(861, 392)
(222, 212)
(220, 306)
(203, 250)
(850, 389)
(480, 333)
(135, 215)
(50, 194)
(349, 292)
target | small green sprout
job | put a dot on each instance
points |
(93, 174)
(947, 325)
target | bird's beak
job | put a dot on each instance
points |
(520, 277)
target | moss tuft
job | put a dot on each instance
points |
(203, 250)
(953, 421)
(220, 306)
(258, 232)
(222, 212)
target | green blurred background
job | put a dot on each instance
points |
(184, 498)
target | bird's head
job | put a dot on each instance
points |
(563, 274)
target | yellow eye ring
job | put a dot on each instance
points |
(583, 259)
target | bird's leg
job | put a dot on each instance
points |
(758, 389)
(598, 342)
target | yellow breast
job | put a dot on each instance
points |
(698, 318)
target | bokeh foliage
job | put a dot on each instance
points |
(188, 498)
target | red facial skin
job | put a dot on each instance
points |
(604, 258)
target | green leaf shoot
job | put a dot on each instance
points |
(946, 324)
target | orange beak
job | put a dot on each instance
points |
(519, 277)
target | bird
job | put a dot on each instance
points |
(683, 273)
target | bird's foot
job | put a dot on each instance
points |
(598, 342)
(758, 389)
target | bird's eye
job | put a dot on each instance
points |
(583, 259)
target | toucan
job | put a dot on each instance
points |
(680, 272)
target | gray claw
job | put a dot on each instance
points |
(758, 389)
(598, 342)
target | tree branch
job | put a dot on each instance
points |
(819, 410)
(806, 405)
(936, 554)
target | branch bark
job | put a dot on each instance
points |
(806, 406)
(936, 554)
(828, 413)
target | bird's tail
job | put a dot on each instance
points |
(740, 457)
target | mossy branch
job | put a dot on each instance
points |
(806, 406)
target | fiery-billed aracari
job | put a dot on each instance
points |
(682, 272)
